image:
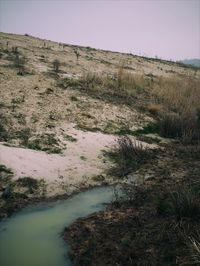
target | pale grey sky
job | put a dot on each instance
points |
(169, 29)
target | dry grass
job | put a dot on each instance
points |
(122, 88)
(180, 98)
(183, 203)
(127, 156)
(191, 240)
(180, 95)
(193, 250)
(154, 108)
(176, 99)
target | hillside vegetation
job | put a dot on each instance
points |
(104, 118)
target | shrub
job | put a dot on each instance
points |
(56, 65)
(4, 169)
(180, 97)
(4, 136)
(154, 108)
(77, 54)
(15, 50)
(171, 125)
(24, 135)
(191, 240)
(184, 202)
(19, 63)
(127, 156)
(174, 125)
(193, 250)
(29, 182)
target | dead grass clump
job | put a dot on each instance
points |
(123, 88)
(56, 65)
(19, 63)
(4, 136)
(183, 203)
(189, 235)
(129, 82)
(127, 156)
(180, 98)
(29, 182)
(184, 127)
(24, 135)
(154, 108)
(193, 245)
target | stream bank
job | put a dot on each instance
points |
(156, 224)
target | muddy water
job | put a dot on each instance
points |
(32, 237)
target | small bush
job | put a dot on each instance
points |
(4, 169)
(154, 108)
(194, 251)
(29, 182)
(56, 65)
(70, 138)
(19, 63)
(184, 202)
(15, 50)
(73, 98)
(180, 97)
(77, 54)
(4, 136)
(24, 135)
(191, 255)
(127, 156)
(171, 125)
(174, 125)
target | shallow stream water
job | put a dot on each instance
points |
(33, 236)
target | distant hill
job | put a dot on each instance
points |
(194, 62)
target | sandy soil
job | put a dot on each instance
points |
(64, 172)
(36, 113)
(78, 165)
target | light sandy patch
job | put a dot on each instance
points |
(81, 160)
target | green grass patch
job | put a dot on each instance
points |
(4, 169)
(151, 128)
(83, 158)
(70, 138)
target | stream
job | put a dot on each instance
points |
(33, 236)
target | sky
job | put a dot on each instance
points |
(168, 29)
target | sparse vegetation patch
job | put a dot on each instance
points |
(127, 156)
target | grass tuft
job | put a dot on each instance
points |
(183, 203)
(127, 156)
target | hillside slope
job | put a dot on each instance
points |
(58, 123)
